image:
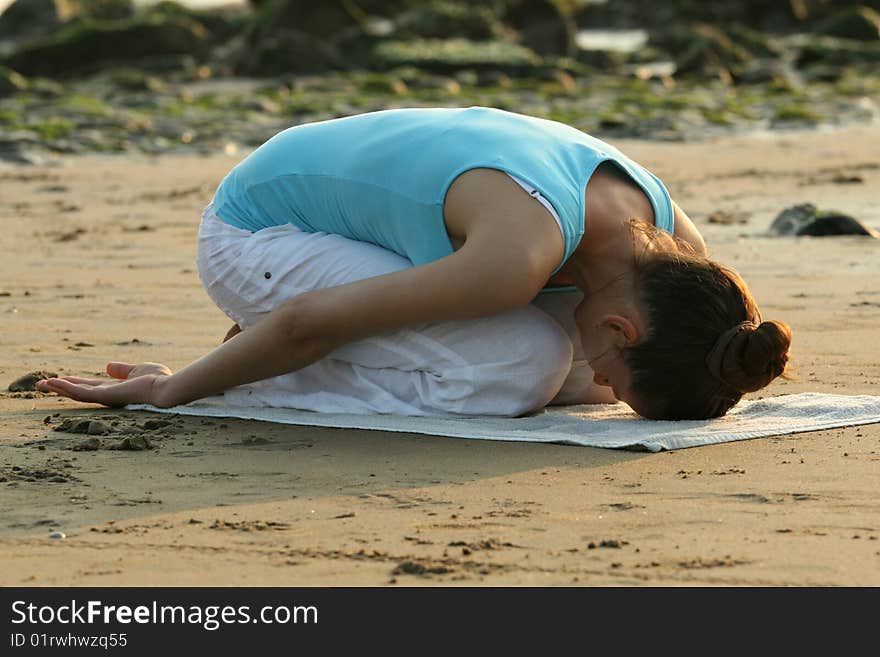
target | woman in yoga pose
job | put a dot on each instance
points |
(458, 261)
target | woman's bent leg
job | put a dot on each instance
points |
(508, 364)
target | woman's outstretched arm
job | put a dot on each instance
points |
(493, 272)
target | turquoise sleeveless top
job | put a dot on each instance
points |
(382, 177)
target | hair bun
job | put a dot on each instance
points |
(757, 355)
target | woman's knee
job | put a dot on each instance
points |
(535, 356)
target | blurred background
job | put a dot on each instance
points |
(208, 75)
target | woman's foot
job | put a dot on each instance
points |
(231, 333)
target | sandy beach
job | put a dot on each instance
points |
(99, 265)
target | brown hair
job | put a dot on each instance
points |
(693, 307)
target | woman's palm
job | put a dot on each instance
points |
(131, 384)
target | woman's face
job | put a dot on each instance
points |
(610, 320)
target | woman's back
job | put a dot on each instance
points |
(382, 177)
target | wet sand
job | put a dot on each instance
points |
(99, 265)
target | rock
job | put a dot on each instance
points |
(11, 82)
(98, 428)
(703, 49)
(222, 25)
(286, 51)
(859, 23)
(87, 46)
(156, 424)
(28, 382)
(73, 426)
(726, 218)
(442, 19)
(835, 51)
(833, 223)
(134, 444)
(384, 84)
(790, 220)
(29, 18)
(409, 567)
(759, 71)
(387, 8)
(547, 27)
(807, 219)
(88, 445)
(300, 36)
(449, 55)
(324, 20)
(770, 17)
(756, 43)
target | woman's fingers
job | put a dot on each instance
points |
(77, 391)
(114, 393)
(88, 382)
(131, 384)
(119, 370)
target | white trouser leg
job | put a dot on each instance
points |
(579, 387)
(507, 364)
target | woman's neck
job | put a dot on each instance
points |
(607, 248)
(597, 263)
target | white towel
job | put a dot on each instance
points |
(612, 426)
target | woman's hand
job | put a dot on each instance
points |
(134, 384)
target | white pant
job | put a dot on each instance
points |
(508, 364)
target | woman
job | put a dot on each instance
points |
(458, 261)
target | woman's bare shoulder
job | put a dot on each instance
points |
(482, 198)
(687, 231)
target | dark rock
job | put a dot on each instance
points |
(791, 220)
(29, 18)
(387, 8)
(87, 46)
(323, 20)
(703, 49)
(442, 19)
(547, 27)
(71, 425)
(833, 223)
(835, 51)
(450, 55)
(603, 60)
(760, 71)
(766, 16)
(222, 25)
(156, 424)
(98, 428)
(134, 444)
(384, 84)
(756, 43)
(287, 51)
(27, 383)
(300, 36)
(860, 23)
(807, 219)
(417, 568)
(88, 445)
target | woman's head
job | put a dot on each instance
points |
(689, 342)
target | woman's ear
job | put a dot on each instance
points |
(624, 330)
